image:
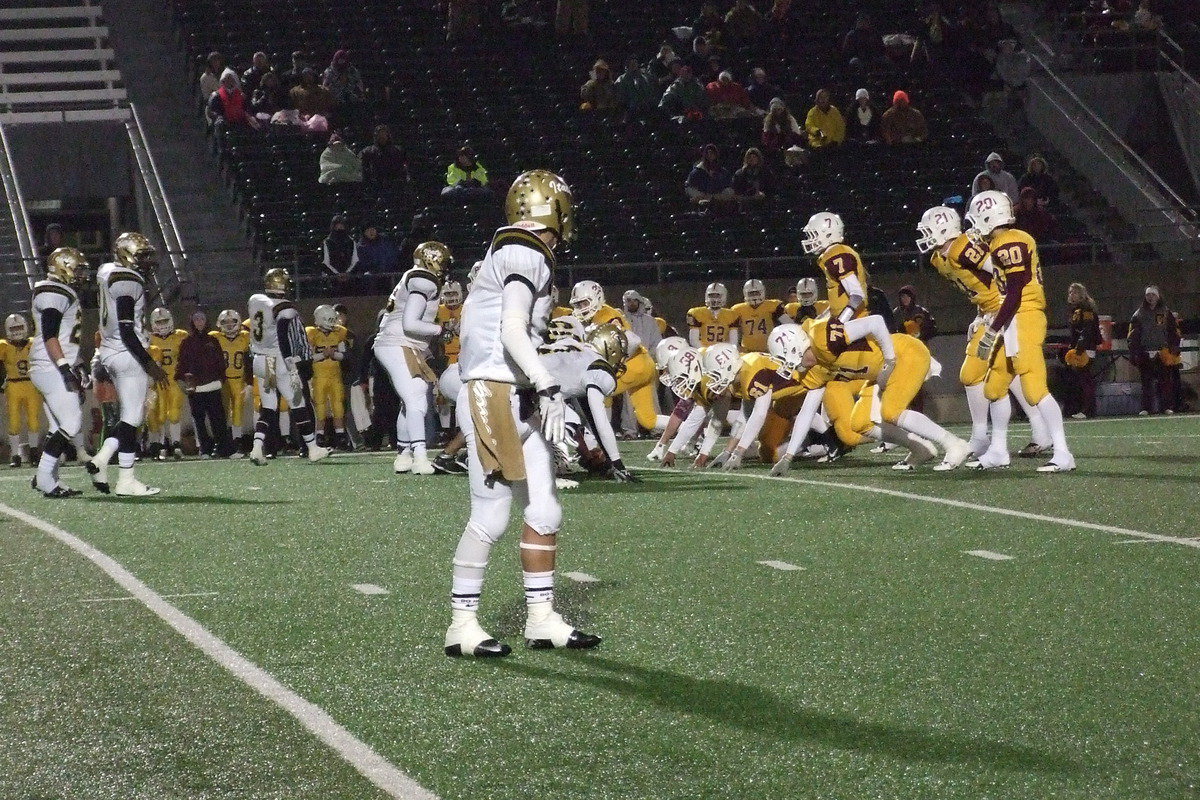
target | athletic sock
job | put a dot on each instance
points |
(1038, 431)
(1052, 415)
(978, 403)
(470, 560)
(14, 443)
(107, 448)
(539, 587)
(125, 460)
(923, 426)
(176, 429)
(1001, 412)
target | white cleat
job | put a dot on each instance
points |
(99, 473)
(403, 462)
(920, 452)
(992, 459)
(129, 486)
(316, 452)
(257, 456)
(551, 631)
(421, 465)
(468, 638)
(883, 447)
(565, 483)
(957, 452)
(980, 446)
(656, 455)
(1056, 465)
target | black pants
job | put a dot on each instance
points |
(212, 430)
(1158, 383)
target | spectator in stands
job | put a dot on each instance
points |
(702, 51)
(1032, 216)
(1012, 68)
(659, 69)
(1040, 180)
(376, 253)
(903, 124)
(310, 97)
(780, 128)
(344, 82)
(743, 24)
(761, 90)
(824, 124)
(598, 94)
(1001, 178)
(710, 25)
(384, 164)
(340, 252)
(712, 71)
(913, 318)
(862, 119)
(291, 77)
(260, 65)
(1154, 348)
(228, 107)
(729, 100)
(752, 183)
(571, 18)
(52, 239)
(709, 183)
(936, 33)
(1080, 399)
(862, 46)
(339, 164)
(636, 91)
(466, 178)
(269, 98)
(210, 79)
(202, 368)
(685, 97)
(1147, 20)
(985, 183)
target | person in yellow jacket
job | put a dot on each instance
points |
(825, 125)
(165, 419)
(24, 400)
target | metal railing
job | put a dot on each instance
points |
(26, 239)
(178, 284)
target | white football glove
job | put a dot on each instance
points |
(553, 413)
(889, 366)
(987, 343)
(268, 383)
(733, 462)
(782, 465)
(719, 461)
(293, 371)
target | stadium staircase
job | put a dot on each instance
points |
(18, 247)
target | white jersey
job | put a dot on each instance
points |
(264, 315)
(51, 295)
(116, 282)
(577, 367)
(515, 255)
(416, 285)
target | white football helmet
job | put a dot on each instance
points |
(788, 344)
(325, 317)
(684, 373)
(230, 322)
(938, 225)
(452, 294)
(716, 296)
(666, 348)
(719, 364)
(161, 322)
(473, 272)
(754, 292)
(806, 291)
(587, 297)
(632, 296)
(990, 210)
(568, 327)
(16, 329)
(824, 230)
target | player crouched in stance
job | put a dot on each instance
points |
(54, 362)
(402, 347)
(280, 352)
(515, 417)
(124, 355)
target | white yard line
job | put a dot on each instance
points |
(990, 555)
(131, 597)
(782, 566)
(372, 766)
(369, 589)
(945, 501)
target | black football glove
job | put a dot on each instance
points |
(70, 379)
(622, 474)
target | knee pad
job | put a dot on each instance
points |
(489, 519)
(126, 436)
(544, 516)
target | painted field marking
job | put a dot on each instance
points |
(582, 577)
(254, 488)
(990, 555)
(782, 566)
(945, 501)
(131, 597)
(369, 589)
(372, 766)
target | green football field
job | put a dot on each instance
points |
(922, 635)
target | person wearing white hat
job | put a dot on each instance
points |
(862, 119)
(1002, 179)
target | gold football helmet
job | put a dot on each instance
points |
(433, 257)
(611, 343)
(541, 196)
(278, 282)
(134, 251)
(67, 265)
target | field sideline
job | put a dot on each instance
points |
(843, 632)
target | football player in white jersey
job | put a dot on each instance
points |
(54, 362)
(282, 358)
(516, 415)
(402, 347)
(123, 353)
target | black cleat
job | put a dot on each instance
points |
(578, 640)
(488, 648)
(57, 493)
(15, 462)
(447, 465)
(93, 470)
(1032, 450)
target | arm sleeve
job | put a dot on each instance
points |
(1135, 336)
(688, 428)
(756, 420)
(414, 309)
(602, 422)
(854, 293)
(515, 310)
(293, 341)
(125, 325)
(872, 327)
(50, 319)
(804, 420)
(735, 334)
(694, 337)
(1013, 289)
(716, 421)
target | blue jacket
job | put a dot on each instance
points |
(707, 182)
(377, 256)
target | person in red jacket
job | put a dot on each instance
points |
(229, 106)
(202, 367)
(728, 99)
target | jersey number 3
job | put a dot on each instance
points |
(256, 326)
